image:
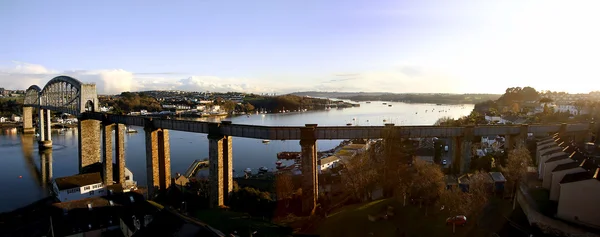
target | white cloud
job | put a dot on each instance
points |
(404, 78)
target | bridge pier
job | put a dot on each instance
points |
(310, 176)
(28, 120)
(391, 145)
(467, 149)
(220, 161)
(89, 143)
(119, 152)
(158, 160)
(45, 138)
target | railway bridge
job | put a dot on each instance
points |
(68, 95)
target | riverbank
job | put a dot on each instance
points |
(10, 125)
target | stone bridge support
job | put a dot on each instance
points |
(28, 120)
(310, 176)
(220, 158)
(118, 131)
(158, 160)
(89, 143)
(392, 150)
(523, 134)
(466, 146)
(45, 125)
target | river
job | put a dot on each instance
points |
(20, 160)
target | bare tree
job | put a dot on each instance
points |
(480, 185)
(428, 183)
(403, 183)
(516, 166)
(456, 202)
(360, 176)
(284, 186)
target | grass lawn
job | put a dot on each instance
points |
(352, 221)
(227, 222)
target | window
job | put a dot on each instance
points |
(91, 192)
(86, 188)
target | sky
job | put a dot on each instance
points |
(275, 46)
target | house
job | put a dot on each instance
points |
(99, 216)
(425, 154)
(576, 165)
(451, 181)
(3, 120)
(77, 187)
(15, 118)
(556, 160)
(328, 163)
(555, 156)
(499, 181)
(579, 195)
(544, 156)
(181, 181)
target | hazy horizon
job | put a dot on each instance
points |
(431, 46)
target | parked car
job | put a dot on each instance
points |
(444, 162)
(446, 148)
(457, 220)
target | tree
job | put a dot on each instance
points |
(516, 166)
(456, 202)
(284, 186)
(444, 121)
(546, 100)
(360, 176)
(427, 183)
(480, 185)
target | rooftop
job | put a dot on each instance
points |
(557, 158)
(75, 181)
(328, 159)
(497, 177)
(575, 177)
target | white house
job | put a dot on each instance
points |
(328, 163)
(15, 118)
(579, 195)
(3, 120)
(559, 172)
(543, 156)
(78, 187)
(555, 159)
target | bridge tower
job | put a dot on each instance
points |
(158, 158)
(220, 161)
(310, 176)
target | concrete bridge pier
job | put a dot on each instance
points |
(28, 120)
(118, 131)
(310, 176)
(523, 134)
(392, 149)
(89, 143)
(158, 160)
(467, 149)
(45, 138)
(220, 160)
(457, 154)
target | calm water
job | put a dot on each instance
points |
(20, 159)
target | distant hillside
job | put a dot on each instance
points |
(434, 98)
(336, 94)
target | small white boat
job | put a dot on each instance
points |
(248, 171)
(130, 130)
(263, 169)
(266, 141)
